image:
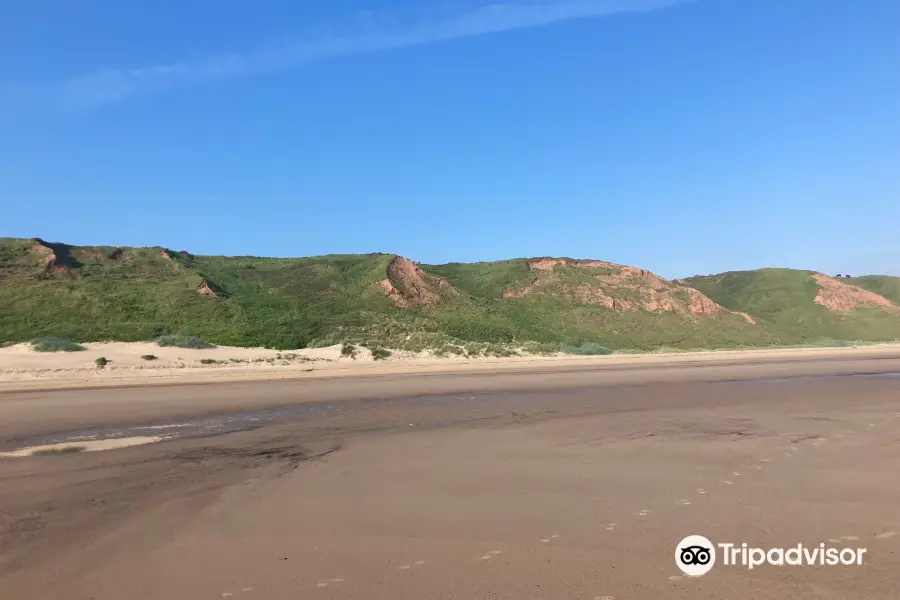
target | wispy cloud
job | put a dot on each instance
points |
(366, 32)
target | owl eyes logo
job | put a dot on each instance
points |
(695, 555)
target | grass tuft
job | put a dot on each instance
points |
(55, 344)
(58, 451)
(588, 349)
(183, 341)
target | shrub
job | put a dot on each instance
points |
(55, 344)
(379, 353)
(208, 361)
(588, 349)
(474, 349)
(348, 349)
(149, 357)
(543, 349)
(183, 341)
(504, 352)
(101, 362)
(834, 344)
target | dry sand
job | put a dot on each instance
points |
(22, 368)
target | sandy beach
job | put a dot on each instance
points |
(545, 480)
(22, 368)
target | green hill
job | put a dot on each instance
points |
(887, 286)
(107, 293)
(804, 306)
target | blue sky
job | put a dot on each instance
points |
(682, 137)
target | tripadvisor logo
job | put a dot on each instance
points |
(695, 555)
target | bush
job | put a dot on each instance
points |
(379, 353)
(834, 344)
(209, 361)
(55, 344)
(588, 349)
(543, 349)
(474, 349)
(101, 362)
(149, 357)
(348, 349)
(183, 341)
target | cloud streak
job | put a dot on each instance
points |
(367, 32)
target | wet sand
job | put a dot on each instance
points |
(552, 484)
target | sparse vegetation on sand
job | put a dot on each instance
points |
(587, 349)
(58, 451)
(183, 341)
(55, 344)
(379, 353)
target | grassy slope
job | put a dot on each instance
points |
(782, 299)
(139, 293)
(887, 286)
(553, 315)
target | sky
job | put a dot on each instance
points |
(683, 137)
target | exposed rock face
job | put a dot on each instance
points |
(838, 296)
(407, 285)
(205, 290)
(45, 255)
(547, 264)
(519, 293)
(701, 304)
(747, 317)
(624, 289)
